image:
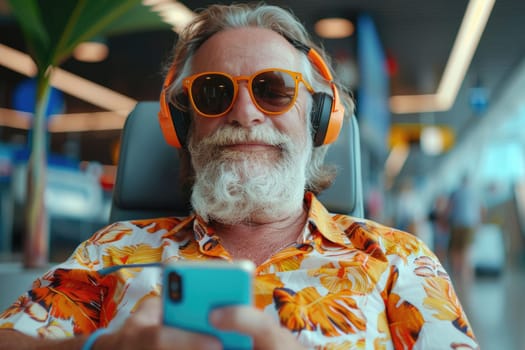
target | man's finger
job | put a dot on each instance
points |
(149, 312)
(265, 331)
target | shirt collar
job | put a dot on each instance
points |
(320, 223)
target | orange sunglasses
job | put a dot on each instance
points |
(273, 91)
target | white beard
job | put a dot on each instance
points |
(232, 188)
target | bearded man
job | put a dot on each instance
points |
(252, 87)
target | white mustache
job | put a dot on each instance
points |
(228, 135)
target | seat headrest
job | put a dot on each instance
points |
(148, 184)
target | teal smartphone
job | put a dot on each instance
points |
(192, 289)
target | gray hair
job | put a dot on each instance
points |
(217, 18)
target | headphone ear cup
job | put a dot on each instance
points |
(174, 122)
(181, 118)
(181, 123)
(320, 117)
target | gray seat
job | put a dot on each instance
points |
(147, 183)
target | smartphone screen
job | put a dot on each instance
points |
(192, 289)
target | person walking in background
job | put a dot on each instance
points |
(465, 217)
(410, 215)
(408, 211)
(438, 217)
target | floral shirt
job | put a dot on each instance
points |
(350, 284)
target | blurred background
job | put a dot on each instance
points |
(440, 94)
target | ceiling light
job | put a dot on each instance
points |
(171, 12)
(91, 51)
(15, 119)
(472, 26)
(69, 83)
(432, 140)
(73, 122)
(334, 28)
(94, 121)
(17, 61)
(91, 92)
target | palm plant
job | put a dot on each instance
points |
(52, 29)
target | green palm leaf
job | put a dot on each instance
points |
(52, 29)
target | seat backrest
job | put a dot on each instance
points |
(147, 182)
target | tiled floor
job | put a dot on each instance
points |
(496, 309)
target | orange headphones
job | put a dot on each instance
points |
(326, 116)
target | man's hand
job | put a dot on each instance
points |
(144, 330)
(266, 333)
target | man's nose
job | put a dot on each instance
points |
(244, 112)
